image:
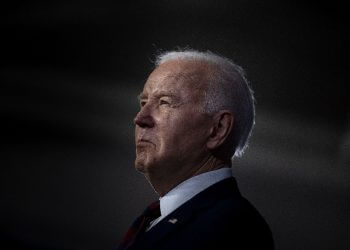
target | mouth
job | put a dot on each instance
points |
(143, 142)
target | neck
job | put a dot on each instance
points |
(163, 184)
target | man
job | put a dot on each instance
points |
(196, 113)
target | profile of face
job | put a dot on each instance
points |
(170, 132)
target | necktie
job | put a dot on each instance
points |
(139, 225)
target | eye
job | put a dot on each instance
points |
(163, 102)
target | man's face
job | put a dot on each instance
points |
(170, 133)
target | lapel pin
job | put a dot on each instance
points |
(173, 220)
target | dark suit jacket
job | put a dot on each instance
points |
(216, 218)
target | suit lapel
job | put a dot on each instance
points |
(183, 214)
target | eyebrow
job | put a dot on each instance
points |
(142, 96)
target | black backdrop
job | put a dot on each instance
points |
(70, 73)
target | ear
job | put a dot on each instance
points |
(222, 127)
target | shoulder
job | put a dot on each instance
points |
(237, 220)
(217, 218)
(232, 220)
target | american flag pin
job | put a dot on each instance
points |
(173, 220)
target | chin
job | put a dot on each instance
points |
(145, 164)
(139, 166)
(142, 163)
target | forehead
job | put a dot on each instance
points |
(175, 75)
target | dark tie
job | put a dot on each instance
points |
(138, 227)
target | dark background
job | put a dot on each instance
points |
(70, 73)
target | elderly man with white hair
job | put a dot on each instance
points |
(196, 114)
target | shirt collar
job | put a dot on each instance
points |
(189, 188)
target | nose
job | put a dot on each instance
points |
(144, 118)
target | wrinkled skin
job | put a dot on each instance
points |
(171, 135)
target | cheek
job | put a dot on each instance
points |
(182, 135)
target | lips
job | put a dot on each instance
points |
(144, 138)
(143, 141)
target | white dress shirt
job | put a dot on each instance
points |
(188, 189)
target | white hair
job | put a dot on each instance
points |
(228, 89)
